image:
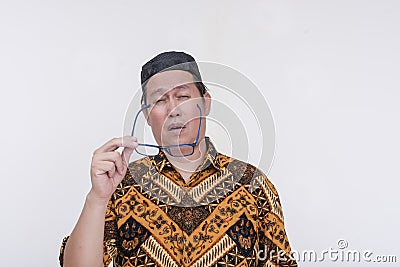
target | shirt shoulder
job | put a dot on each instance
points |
(251, 175)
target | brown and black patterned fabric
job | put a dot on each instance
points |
(227, 214)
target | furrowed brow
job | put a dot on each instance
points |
(161, 91)
(158, 91)
(182, 86)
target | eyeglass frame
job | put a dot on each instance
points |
(167, 148)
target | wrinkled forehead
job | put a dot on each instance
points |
(167, 80)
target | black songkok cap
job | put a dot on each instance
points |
(171, 60)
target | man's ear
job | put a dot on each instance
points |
(207, 103)
(146, 114)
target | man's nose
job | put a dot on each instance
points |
(174, 108)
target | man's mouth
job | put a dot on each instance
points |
(176, 126)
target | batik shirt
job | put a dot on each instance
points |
(227, 214)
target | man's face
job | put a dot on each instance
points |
(173, 115)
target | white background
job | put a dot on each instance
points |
(329, 70)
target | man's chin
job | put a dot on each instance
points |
(177, 140)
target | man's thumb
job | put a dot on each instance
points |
(126, 155)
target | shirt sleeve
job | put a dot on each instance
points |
(61, 255)
(274, 244)
(110, 236)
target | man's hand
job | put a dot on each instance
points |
(109, 167)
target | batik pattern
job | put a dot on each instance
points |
(222, 216)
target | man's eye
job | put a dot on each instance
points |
(183, 96)
(160, 100)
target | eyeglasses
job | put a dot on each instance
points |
(173, 150)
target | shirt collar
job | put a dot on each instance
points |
(211, 158)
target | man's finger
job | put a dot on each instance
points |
(119, 165)
(114, 157)
(111, 172)
(103, 167)
(115, 143)
(126, 155)
(107, 156)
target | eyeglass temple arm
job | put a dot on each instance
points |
(136, 117)
(201, 118)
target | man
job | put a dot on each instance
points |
(186, 205)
